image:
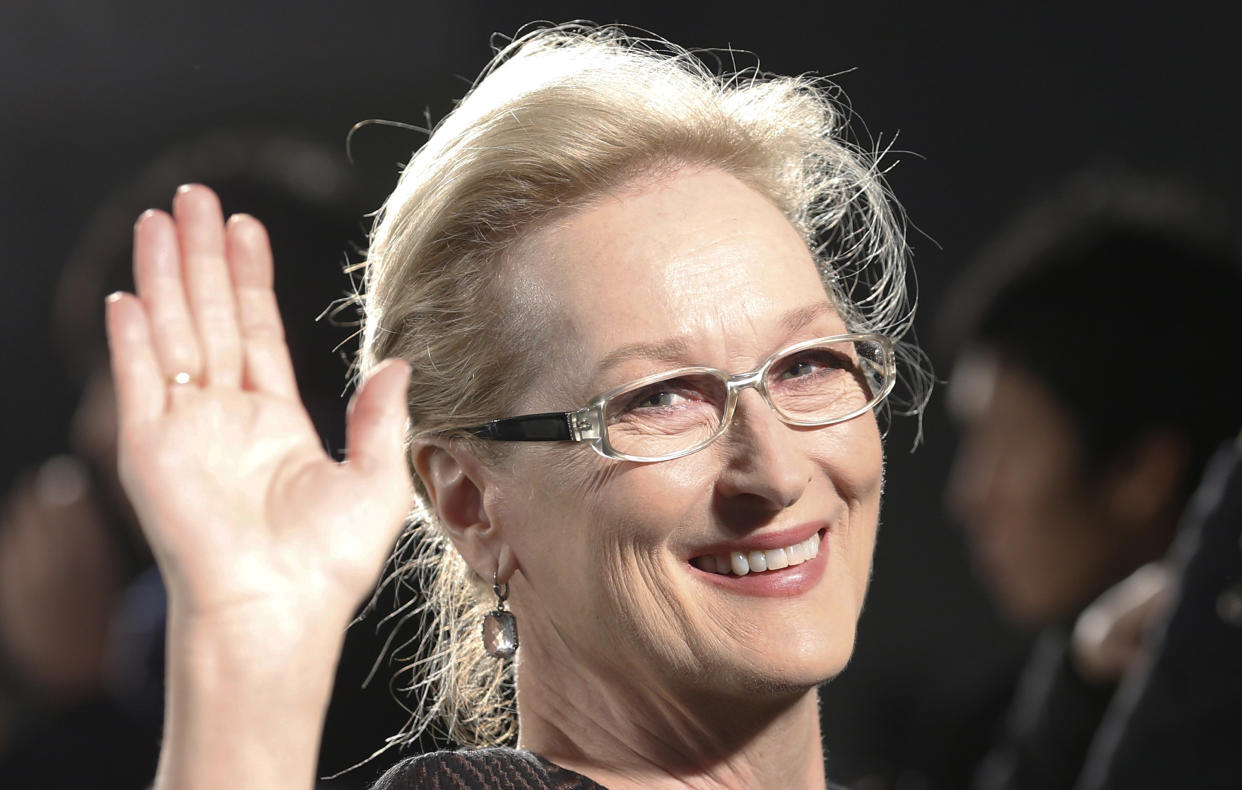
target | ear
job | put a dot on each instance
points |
(456, 483)
(1146, 485)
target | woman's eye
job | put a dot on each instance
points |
(811, 365)
(655, 399)
(665, 396)
(800, 369)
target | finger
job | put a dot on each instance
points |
(209, 290)
(157, 275)
(141, 391)
(375, 427)
(266, 363)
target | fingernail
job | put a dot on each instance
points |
(143, 217)
(238, 218)
(181, 190)
(115, 296)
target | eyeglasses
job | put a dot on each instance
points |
(665, 416)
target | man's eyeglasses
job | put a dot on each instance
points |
(657, 418)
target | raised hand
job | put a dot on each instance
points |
(266, 544)
(231, 482)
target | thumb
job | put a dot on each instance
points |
(375, 426)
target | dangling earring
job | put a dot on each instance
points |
(500, 637)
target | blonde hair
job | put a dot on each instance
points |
(562, 116)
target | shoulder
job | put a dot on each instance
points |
(481, 769)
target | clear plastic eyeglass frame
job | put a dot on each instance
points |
(587, 423)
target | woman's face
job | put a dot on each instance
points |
(692, 268)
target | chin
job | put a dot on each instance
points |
(817, 660)
(791, 662)
(787, 645)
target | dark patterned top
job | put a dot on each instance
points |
(486, 769)
(482, 769)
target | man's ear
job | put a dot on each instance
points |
(456, 482)
(1147, 483)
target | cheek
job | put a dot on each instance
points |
(591, 534)
(852, 461)
(638, 589)
(1035, 492)
(1037, 544)
(866, 497)
(633, 513)
(640, 606)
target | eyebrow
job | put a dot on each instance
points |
(796, 320)
(674, 350)
(670, 350)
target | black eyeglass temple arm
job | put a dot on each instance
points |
(549, 427)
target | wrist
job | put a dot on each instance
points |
(247, 693)
(277, 647)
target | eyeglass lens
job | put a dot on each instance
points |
(811, 385)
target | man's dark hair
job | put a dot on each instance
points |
(1124, 297)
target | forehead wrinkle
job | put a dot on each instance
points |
(675, 350)
(703, 296)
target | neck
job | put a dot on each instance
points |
(619, 733)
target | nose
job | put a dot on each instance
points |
(765, 463)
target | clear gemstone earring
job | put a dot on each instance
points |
(500, 637)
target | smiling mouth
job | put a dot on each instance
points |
(743, 563)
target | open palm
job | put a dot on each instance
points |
(235, 493)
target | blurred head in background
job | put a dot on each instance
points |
(309, 199)
(1094, 373)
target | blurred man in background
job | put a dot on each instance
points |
(1095, 373)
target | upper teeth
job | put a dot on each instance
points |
(740, 563)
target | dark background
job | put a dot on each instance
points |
(997, 105)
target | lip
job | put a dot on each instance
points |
(763, 541)
(787, 582)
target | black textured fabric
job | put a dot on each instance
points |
(482, 769)
(486, 769)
